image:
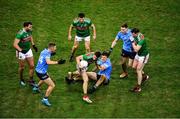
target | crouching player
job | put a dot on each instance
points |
(141, 58)
(41, 71)
(81, 72)
(103, 76)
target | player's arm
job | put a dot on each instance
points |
(32, 42)
(49, 61)
(69, 32)
(102, 67)
(16, 46)
(136, 47)
(94, 31)
(113, 44)
(79, 58)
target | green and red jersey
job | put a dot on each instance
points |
(82, 29)
(141, 42)
(25, 39)
(88, 57)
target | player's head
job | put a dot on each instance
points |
(81, 17)
(124, 28)
(96, 55)
(104, 56)
(135, 32)
(52, 47)
(27, 25)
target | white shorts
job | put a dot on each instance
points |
(80, 70)
(77, 38)
(142, 59)
(22, 56)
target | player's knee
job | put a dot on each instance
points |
(31, 67)
(129, 65)
(138, 70)
(52, 85)
(75, 46)
(21, 67)
(85, 80)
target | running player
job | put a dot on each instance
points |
(141, 58)
(127, 51)
(41, 71)
(22, 44)
(82, 25)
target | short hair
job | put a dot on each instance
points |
(27, 23)
(98, 54)
(135, 30)
(51, 44)
(105, 53)
(81, 15)
(124, 25)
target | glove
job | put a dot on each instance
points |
(61, 61)
(35, 48)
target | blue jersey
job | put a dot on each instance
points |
(127, 45)
(108, 68)
(42, 65)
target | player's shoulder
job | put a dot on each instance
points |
(45, 52)
(20, 32)
(75, 20)
(87, 20)
(140, 36)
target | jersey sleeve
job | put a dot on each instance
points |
(85, 57)
(106, 65)
(48, 56)
(118, 36)
(18, 36)
(141, 42)
(74, 23)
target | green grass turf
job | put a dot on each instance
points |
(158, 20)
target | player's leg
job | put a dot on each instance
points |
(144, 75)
(73, 76)
(85, 86)
(131, 58)
(20, 70)
(124, 67)
(21, 60)
(87, 44)
(92, 75)
(50, 88)
(74, 48)
(30, 61)
(100, 80)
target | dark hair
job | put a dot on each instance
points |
(51, 44)
(27, 23)
(135, 30)
(124, 25)
(105, 53)
(98, 54)
(81, 15)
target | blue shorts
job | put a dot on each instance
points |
(125, 53)
(42, 76)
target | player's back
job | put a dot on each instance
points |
(42, 65)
